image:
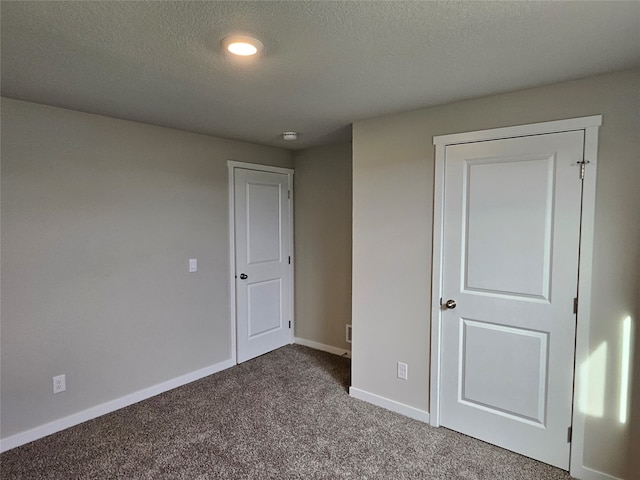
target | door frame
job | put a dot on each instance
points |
(232, 166)
(590, 126)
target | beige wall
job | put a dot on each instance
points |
(323, 244)
(99, 218)
(393, 161)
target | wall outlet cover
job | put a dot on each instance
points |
(59, 383)
(403, 371)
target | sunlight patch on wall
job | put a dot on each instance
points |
(625, 369)
(593, 376)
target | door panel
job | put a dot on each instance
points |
(515, 388)
(265, 307)
(263, 223)
(509, 213)
(263, 298)
(511, 233)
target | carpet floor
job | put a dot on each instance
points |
(285, 415)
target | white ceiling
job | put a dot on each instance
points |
(325, 64)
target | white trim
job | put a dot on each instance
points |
(292, 283)
(110, 406)
(321, 346)
(586, 473)
(583, 326)
(388, 404)
(262, 168)
(436, 284)
(556, 126)
(590, 126)
(232, 262)
(232, 165)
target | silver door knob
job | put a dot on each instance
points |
(451, 304)
(243, 276)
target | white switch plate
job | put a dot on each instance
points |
(193, 265)
(403, 370)
(59, 384)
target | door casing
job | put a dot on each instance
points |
(232, 166)
(590, 126)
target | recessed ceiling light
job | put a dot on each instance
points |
(242, 45)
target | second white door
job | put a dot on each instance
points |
(510, 269)
(262, 263)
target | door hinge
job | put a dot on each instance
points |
(583, 164)
(569, 434)
(575, 305)
(289, 323)
(288, 193)
(289, 260)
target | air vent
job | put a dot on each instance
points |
(349, 333)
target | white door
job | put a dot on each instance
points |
(510, 264)
(263, 269)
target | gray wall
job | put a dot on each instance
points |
(393, 161)
(99, 218)
(323, 244)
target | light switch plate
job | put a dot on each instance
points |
(193, 265)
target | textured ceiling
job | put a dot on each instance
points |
(325, 64)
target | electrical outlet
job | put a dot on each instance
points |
(59, 384)
(193, 265)
(403, 370)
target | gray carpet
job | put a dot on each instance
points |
(285, 415)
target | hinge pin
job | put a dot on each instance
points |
(582, 164)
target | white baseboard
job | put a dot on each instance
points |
(392, 405)
(321, 346)
(108, 407)
(585, 473)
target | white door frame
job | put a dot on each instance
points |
(590, 127)
(232, 165)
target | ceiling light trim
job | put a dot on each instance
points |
(290, 136)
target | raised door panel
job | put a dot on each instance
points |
(508, 213)
(264, 225)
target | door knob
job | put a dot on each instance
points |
(243, 276)
(450, 304)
